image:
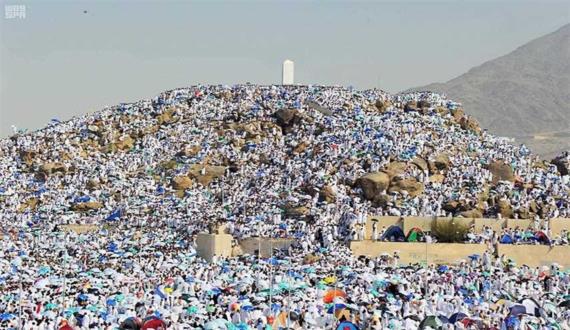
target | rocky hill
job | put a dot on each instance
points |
(524, 94)
(208, 154)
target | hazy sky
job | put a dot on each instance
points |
(59, 61)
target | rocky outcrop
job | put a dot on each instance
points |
(205, 174)
(409, 185)
(181, 182)
(440, 163)
(328, 194)
(501, 171)
(373, 184)
(562, 163)
(470, 124)
(53, 167)
(382, 105)
(504, 208)
(475, 213)
(287, 119)
(86, 206)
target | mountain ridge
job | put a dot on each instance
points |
(521, 94)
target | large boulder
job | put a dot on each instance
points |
(93, 184)
(287, 119)
(410, 185)
(125, 142)
(562, 163)
(458, 114)
(437, 178)
(27, 156)
(420, 163)
(205, 174)
(395, 169)
(475, 213)
(412, 106)
(470, 124)
(373, 184)
(504, 208)
(296, 211)
(181, 182)
(328, 194)
(439, 163)
(382, 105)
(189, 151)
(301, 147)
(501, 171)
(86, 206)
(52, 167)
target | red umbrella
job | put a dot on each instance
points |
(154, 323)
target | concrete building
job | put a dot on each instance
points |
(288, 72)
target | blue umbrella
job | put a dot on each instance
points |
(346, 326)
(517, 310)
(6, 317)
(457, 317)
(335, 307)
(442, 268)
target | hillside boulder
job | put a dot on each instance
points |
(87, 206)
(52, 167)
(205, 174)
(181, 182)
(382, 105)
(410, 185)
(504, 208)
(470, 124)
(328, 194)
(471, 214)
(373, 184)
(562, 163)
(501, 171)
(287, 119)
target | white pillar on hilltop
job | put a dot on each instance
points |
(288, 72)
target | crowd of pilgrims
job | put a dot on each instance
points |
(268, 161)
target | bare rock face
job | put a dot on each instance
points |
(87, 206)
(420, 163)
(53, 167)
(475, 213)
(296, 211)
(395, 169)
(125, 143)
(205, 174)
(181, 182)
(382, 105)
(470, 124)
(287, 119)
(501, 171)
(373, 184)
(440, 163)
(505, 208)
(328, 194)
(562, 163)
(410, 185)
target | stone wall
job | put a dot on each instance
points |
(425, 223)
(265, 245)
(451, 253)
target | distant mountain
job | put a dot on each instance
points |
(524, 94)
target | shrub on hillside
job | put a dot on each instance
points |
(449, 231)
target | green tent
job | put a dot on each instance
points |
(415, 235)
